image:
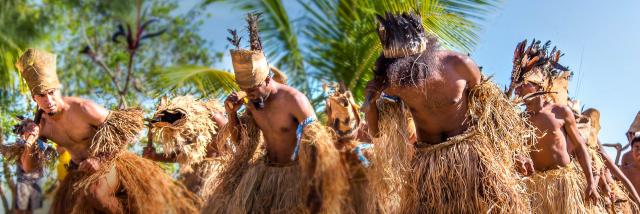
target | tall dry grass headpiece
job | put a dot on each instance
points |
(38, 68)
(250, 66)
(401, 34)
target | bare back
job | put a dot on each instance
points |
(553, 148)
(74, 127)
(439, 110)
(283, 111)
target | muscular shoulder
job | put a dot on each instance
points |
(562, 111)
(299, 103)
(89, 110)
(462, 64)
(292, 94)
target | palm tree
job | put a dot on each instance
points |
(340, 41)
(23, 26)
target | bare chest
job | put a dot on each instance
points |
(547, 124)
(275, 123)
(440, 109)
(67, 131)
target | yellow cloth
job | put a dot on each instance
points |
(63, 163)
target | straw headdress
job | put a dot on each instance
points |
(401, 34)
(536, 64)
(250, 66)
(38, 68)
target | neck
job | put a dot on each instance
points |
(271, 89)
(535, 104)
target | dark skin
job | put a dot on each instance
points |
(558, 137)
(150, 152)
(71, 123)
(28, 161)
(612, 169)
(440, 113)
(284, 108)
(632, 169)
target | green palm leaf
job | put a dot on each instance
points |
(207, 81)
(347, 31)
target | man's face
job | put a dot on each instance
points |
(635, 151)
(526, 88)
(258, 94)
(49, 101)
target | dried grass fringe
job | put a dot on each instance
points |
(249, 185)
(190, 135)
(361, 196)
(236, 165)
(463, 175)
(474, 172)
(120, 129)
(558, 191)
(390, 162)
(147, 189)
(203, 179)
(627, 206)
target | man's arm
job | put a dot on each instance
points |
(231, 105)
(304, 109)
(220, 121)
(580, 150)
(619, 174)
(372, 116)
(29, 161)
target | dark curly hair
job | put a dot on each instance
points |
(409, 71)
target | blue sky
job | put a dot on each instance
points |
(599, 41)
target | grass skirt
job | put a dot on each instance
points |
(143, 188)
(559, 191)
(462, 175)
(203, 179)
(316, 182)
(361, 197)
(624, 203)
(473, 172)
(392, 153)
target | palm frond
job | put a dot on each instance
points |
(207, 81)
(347, 31)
